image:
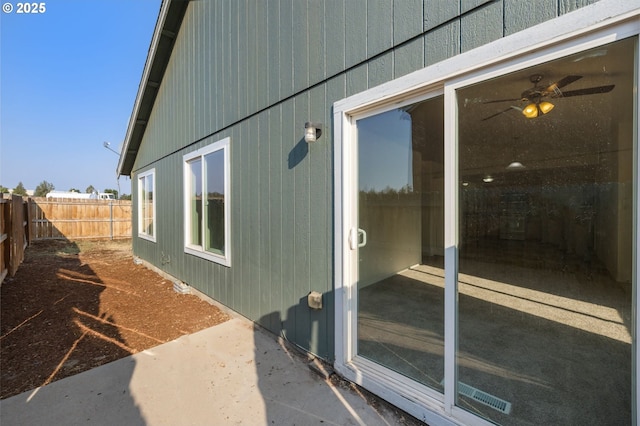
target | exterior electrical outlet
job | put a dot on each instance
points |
(315, 300)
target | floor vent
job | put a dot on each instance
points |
(483, 397)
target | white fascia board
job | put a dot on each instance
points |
(157, 32)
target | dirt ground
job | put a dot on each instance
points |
(73, 306)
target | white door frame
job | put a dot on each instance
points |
(600, 23)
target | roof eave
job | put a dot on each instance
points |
(167, 26)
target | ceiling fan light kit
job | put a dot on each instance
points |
(534, 96)
(537, 109)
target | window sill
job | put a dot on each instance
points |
(222, 260)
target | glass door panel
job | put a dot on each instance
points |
(400, 241)
(545, 231)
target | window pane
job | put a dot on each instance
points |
(148, 205)
(400, 258)
(215, 218)
(142, 204)
(195, 202)
(545, 260)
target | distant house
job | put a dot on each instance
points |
(461, 238)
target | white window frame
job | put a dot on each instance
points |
(591, 26)
(197, 250)
(141, 228)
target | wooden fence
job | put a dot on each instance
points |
(23, 220)
(14, 234)
(77, 219)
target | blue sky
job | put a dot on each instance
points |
(68, 81)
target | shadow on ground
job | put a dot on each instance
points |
(53, 328)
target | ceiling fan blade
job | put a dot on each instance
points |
(501, 100)
(587, 91)
(501, 112)
(553, 87)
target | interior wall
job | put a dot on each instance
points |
(428, 140)
(615, 207)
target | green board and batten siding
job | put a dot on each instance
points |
(256, 71)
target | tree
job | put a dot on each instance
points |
(19, 190)
(90, 189)
(112, 191)
(3, 189)
(125, 197)
(74, 190)
(43, 189)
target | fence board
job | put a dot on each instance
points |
(17, 237)
(4, 238)
(13, 234)
(77, 219)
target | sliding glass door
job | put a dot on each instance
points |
(399, 239)
(545, 229)
(487, 240)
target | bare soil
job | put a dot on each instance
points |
(73, 306)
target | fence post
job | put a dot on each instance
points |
(5, 227)
(111, 218)
(17, 235)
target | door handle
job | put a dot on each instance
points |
(357, 238)
(362, 232)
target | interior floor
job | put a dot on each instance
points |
(550, 335)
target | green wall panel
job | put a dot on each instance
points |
(437, 12)
(357, 79)
(380, 69)
(263, 186)
(302, 227)
(299, 33)
(320, 218)
(409, 57)
(335, 46)
(316, 44)
(379, 26)
(273, 76)
(244, 53)
(355, 32)
(467, 5)
(407, 20)
(275, 224)
(442, 43)
(481, 26)
(290, 152)
(519, 15)
(565, 6)
(286, 48)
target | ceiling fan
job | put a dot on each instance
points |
(535, 96)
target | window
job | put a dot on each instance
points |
(206, 202)
(147, 205)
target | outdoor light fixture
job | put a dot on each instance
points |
(537, 109)
(312, 131)
(487, 179)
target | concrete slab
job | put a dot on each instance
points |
(228, 374)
